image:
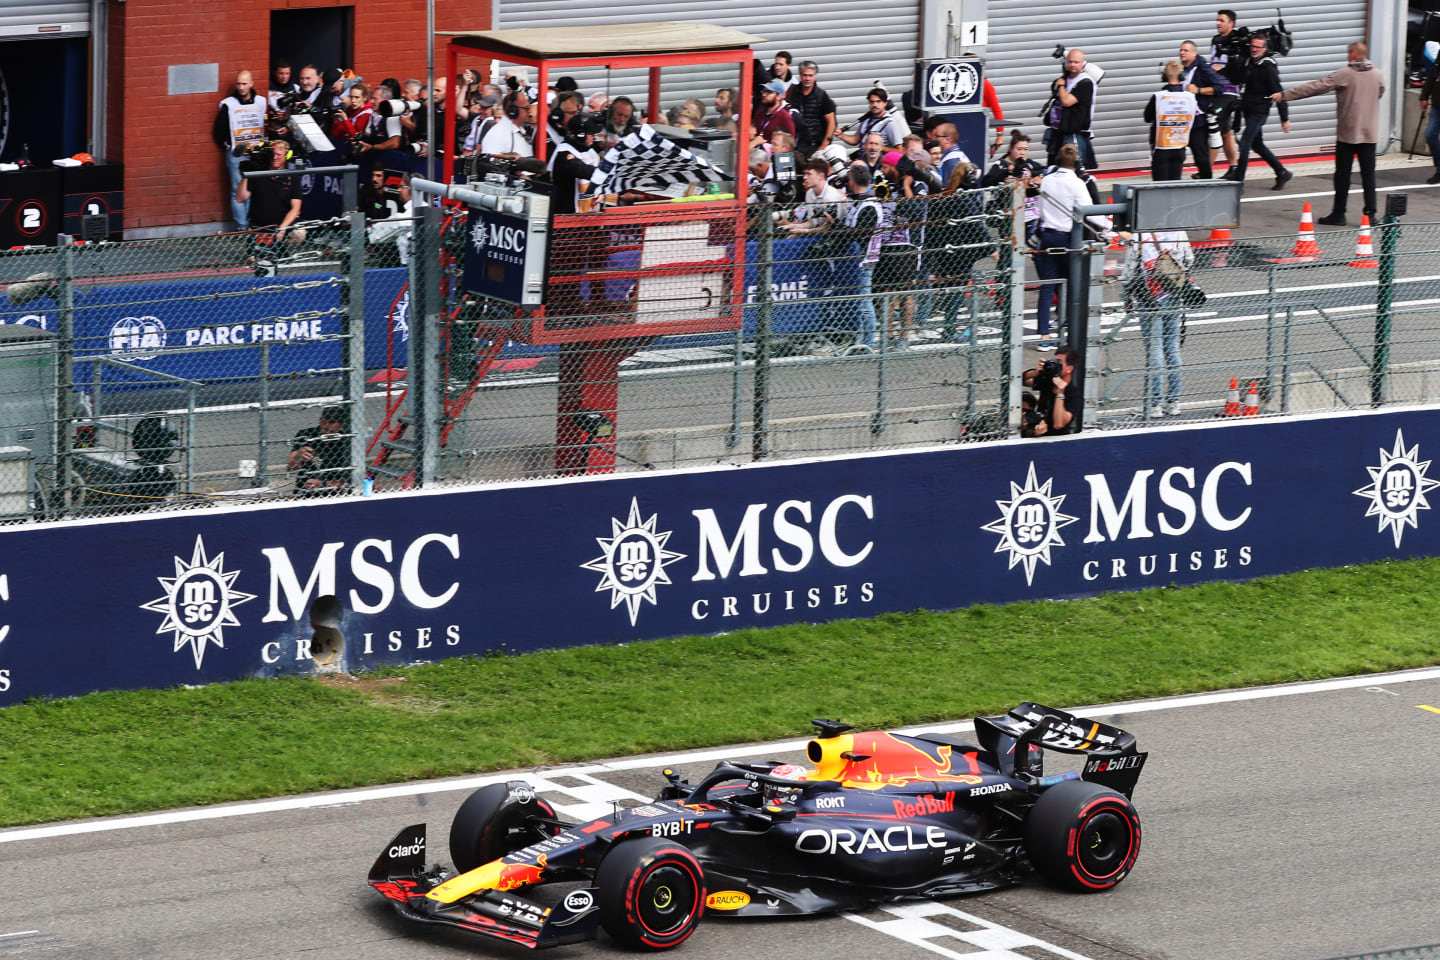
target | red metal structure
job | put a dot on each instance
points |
(679, 266)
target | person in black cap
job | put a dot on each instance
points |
(320, 455)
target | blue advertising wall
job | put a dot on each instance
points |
(202, 597)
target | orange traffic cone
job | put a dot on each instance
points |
(1252, 401)
(1232, 399)
(1218, 238)
(1306, 249)
(1364, 249)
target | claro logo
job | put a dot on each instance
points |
(410, 850)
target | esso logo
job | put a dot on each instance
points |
(579, 901)
(31, 218)
(953, 83)
(137, 338)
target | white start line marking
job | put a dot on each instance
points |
(913, 925)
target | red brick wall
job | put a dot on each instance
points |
(174, 175)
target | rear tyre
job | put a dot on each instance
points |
(494, 821)
(651, 894)
(1083, 836)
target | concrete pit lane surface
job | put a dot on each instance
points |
(1283, 823)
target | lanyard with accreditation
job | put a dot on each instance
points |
(1174, 117)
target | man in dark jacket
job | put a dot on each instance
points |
(1262, 84)
(1358, 88)
(1205, 83)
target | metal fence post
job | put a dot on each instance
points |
(1012, 320)
(1285, 360)
(760, 437)
(262, 453)
(426, 386)
(1385, 297)
(352, 327)
(1269, 334)
(65, 373)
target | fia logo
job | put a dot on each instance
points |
(198, 602)
(1029, 524)
(632, 561)
(1396, 493)
(953, 82)
(137, 338)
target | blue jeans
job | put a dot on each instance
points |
(239, 212)
(1050, 266)
(866, 305)
(1162, 358)
(1432, 136)
(1055, 140)
(1253, 139)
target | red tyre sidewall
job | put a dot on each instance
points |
(684, 860)
(1115, 805)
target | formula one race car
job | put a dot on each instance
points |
(879, 817)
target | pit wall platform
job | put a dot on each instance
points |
(200, 597)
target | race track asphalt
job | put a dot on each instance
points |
(1291, 823)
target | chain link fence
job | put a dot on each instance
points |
(155, 374)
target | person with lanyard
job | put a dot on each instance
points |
(1060, 192)
(1074, 109)
(950, 153)
(239, 126)
(772, 115)
(1017, 165)
(1171, 114)
(1203, 82)
(867, 230)
(877, 120)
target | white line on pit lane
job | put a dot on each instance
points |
(1330, 193)
(18, 933)
(278, 805)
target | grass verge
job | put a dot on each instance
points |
(122, 752)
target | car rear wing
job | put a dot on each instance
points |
(1019, 738)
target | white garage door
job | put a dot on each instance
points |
(41, 18)
(1132, 41)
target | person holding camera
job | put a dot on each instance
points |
(239, 126)
(1204, 83)
(1017, 165)
(274, 201)
(1032, 422)
(822, 201)
(320, 455)
(1229, 58)
(1074, 109)
(1060, 400)
(310, 88)
(1171, 113)
(1358, 88)
(877, 119)
(281, 84)
(1262, 84)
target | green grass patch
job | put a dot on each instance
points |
(122, 752)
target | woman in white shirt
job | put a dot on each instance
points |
(1156, 273)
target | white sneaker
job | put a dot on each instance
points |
(1172, 409)
(1156, 412)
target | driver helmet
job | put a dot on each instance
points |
(776, 794)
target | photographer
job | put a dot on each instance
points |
(1229, 58)
(239, 125)
(310, 89)
(385, 133)
(1262, 84)
(877, 120)
(1060, 401)
(1171, 114)
(320, 455)
(1032, 422)
(274, 201)
(280, 84)
(822, 202)
(1074, 109)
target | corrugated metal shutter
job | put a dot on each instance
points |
(1132, 40)
(43, 18)
(855, 42)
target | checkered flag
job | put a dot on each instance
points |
(649, 163)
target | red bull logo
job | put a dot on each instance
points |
(924, 805)
(513, 875)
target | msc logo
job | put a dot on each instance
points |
(632, 561)
(137, 338)
(953, 82)
(1030, 523)
(198, 602)
(400, 315)
(485, 236)
(1397, 488)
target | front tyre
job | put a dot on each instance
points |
(1083, 836)
(496, 820)
(651, 893)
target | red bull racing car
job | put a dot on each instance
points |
(877, 817)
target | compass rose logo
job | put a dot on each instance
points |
(1396, 492)
(632, 561)
(1029, 524)
(199, 601)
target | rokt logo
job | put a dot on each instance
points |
(1397, 488)
(198, 602)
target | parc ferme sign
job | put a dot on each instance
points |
(203, 597)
